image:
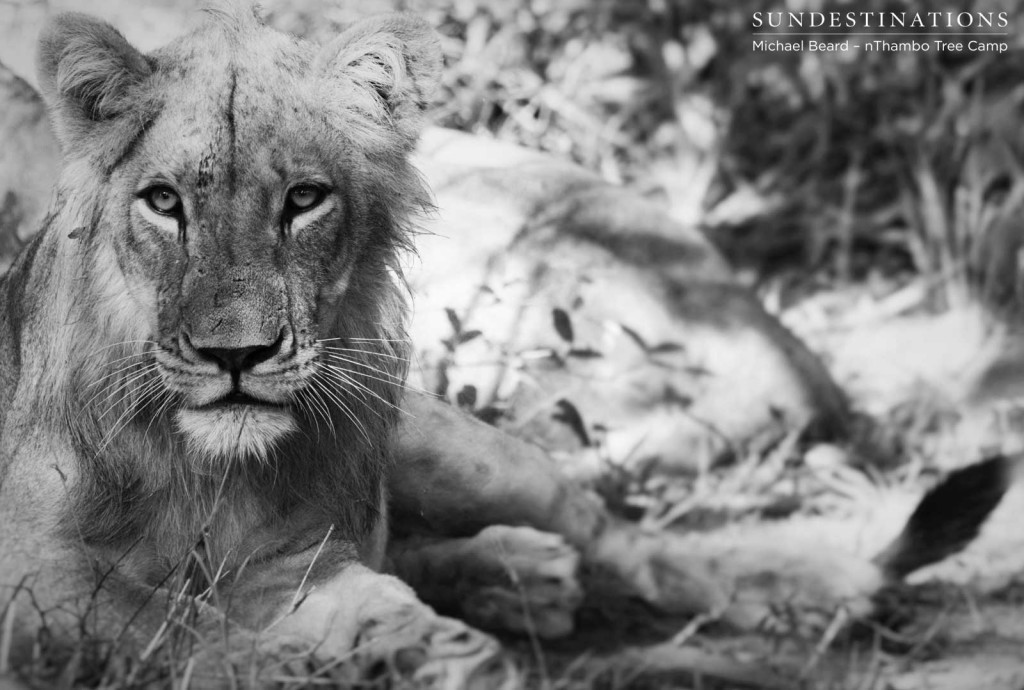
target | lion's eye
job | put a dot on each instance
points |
(163, 200)
(303, 197)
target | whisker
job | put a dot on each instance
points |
(129, 356)
(127, 416)
(380, 340)
(123, 386)
(393, 380)
(337, 394)
(117, 371)
(305, 403)
(115, 393)
(167, 400)
(137, 397)
(366, 340)
(304, 408)
(340, 389)
(126, 357)
(123, 342)
(374, 353)
(325, 410)
(365, 365)
(345, 377)
(336, 398)
(353, 377)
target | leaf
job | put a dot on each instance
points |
(453, 319)
(674, 397)
(563, 324)
(466, 397)
(666, 348)
(568, 414)
(634, 336)
(469, 335)
(585, 353)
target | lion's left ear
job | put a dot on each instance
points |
(88, 74)
(396, 57)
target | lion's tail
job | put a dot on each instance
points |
(949, 517)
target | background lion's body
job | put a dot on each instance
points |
(659, 335)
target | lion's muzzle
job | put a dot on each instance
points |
(233, 359)
(237, 395)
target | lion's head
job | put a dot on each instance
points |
(227, 224)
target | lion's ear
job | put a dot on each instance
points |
(87, 73)
(397, 57)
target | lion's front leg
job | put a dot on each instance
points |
(456, 475)
(378, 621)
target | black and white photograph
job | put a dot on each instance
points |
(501, 344)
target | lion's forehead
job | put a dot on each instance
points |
(235, 105)
(232, 133)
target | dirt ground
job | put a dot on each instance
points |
(962, 623)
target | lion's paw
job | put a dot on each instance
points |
(432, 651)
(505, 578)
(524, 581)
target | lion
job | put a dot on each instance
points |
(656, 334)
(204, 425)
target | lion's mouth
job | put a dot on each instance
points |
(237, 398)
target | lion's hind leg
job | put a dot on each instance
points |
(514, 579)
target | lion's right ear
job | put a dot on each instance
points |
(397, 58)
(87, 74)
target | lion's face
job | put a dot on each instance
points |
(235, 231)
(252, 218)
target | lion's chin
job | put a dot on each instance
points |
(232, 432)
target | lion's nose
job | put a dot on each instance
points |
(236, 359)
